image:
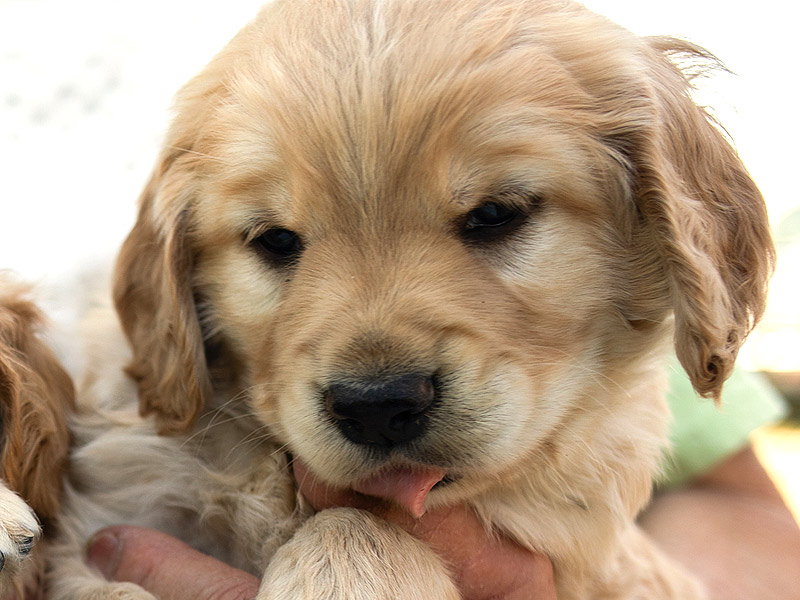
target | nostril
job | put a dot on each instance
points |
(383, 412)
(402, 419)
(354, 430)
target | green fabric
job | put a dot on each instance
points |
(702, 433)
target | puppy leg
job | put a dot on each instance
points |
(348, 554)
(69, 578)
(93, 590)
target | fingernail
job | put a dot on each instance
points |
(102, 553)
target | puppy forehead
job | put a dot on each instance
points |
(379, 112)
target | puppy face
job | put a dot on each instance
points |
(463, 280)
(436, 236)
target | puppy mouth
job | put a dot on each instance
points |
(407, 487)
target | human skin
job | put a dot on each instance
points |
(485, 566)
(730, 527)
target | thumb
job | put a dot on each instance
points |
(165, 566)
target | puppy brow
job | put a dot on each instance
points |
(518, 196)
(513, 194)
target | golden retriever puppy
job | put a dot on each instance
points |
(435, 250)
(36, 395)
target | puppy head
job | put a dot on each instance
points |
(477, 217)
(36, 395)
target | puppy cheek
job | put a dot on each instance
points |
(238, 300)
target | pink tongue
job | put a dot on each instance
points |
(405, 487)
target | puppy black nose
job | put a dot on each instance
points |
(384, 412)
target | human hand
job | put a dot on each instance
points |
(484, 566)
(166, 567)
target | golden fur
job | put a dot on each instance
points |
(372, 130)
(36, 394)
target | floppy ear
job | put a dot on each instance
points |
(708, 221)
(36, 395)
(154, 299)
(152, 283)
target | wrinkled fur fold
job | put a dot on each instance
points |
(374, 131)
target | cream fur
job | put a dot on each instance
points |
(372, 130)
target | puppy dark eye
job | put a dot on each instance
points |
(490, 221)
(278, 244)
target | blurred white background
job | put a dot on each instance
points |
(85, 87)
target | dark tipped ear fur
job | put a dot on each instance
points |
(154, 300)
(36, 395)
(708, 220)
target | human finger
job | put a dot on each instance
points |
(166, 567)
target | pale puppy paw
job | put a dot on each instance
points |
(348, 554)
